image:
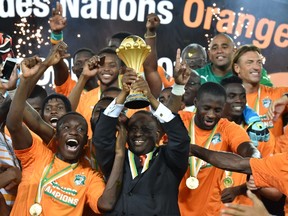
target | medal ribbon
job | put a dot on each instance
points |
(133, 169)
(44, 180)
(99, 93)
(194, 162)
(228, 173)
(256, 106)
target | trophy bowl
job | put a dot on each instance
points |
(133, 51)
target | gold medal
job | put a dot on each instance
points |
(192, 183)
(35, 209)
(228, 182)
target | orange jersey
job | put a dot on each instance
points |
(261, 104)
(66, 195)
(206, 199)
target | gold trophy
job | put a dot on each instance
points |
(133, 51)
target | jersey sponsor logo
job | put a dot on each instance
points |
(79, 180)
(266, 121)
(266, 102)
(205, 78)
(62, 194)
(216, 139)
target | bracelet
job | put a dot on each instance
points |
(178, 90)
(56, 38)
(149, 36)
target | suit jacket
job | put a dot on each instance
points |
(154, 192)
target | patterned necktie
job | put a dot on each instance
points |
(142, 159)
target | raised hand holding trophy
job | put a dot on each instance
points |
(133, 51)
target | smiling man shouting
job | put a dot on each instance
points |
(57, 184)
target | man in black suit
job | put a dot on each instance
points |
(152, 188)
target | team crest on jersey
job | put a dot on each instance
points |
(266, 102)
(216, 139)
(80, 180)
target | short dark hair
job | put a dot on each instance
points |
(241, 51)
(38, 91)
(117, 38)
(112, 51)
(121, 35)
(232, 79)
(109, 99)
(147, 114)
(211, 88)
(87, 50)
(65, 100)
(107, 50)
(109, 89)
(92, 122)
(62, 118)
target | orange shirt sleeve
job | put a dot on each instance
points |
(166, 82)
(233, 134)
(271, 172)
(95, 190)
(66, 87)
(30, 157)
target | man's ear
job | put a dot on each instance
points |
(236, 68)
(208, 53)
(158, 135)
(195, 102)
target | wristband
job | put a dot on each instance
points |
(149, 36)
(56, 38)
(12, 93)
(4, 95)
(178, 90)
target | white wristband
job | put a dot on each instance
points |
(12, 93)
(178, 90)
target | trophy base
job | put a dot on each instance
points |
(136, 101)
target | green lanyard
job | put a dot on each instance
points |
(194, 162)
(44, 180)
